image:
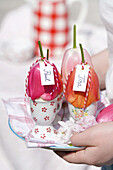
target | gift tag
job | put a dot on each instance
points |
(81, 77)
(47, 74)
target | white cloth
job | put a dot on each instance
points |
(106, 10)
(16, 42)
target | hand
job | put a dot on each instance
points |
(103, 58)
(98, 142)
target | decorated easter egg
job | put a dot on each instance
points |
(82, 98)
(72, 57)
(49, 90)
(105, 115)
(81, 84)
(77, 98)
(36, 90)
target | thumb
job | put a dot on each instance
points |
(85, 138)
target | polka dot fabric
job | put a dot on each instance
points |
(51, 26)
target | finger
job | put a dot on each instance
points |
(61, 153)
(85, 138)
(74, 157)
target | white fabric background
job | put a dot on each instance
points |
(106, 9)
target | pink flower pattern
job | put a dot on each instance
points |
(32, 110)
(55, 132)
(35, 119)
(52, 103)
(59, 98)
(46, 118)
(36, 130)
(35, 103)
(43, 136)
(49, 130)
(54, 110)
(44, 109)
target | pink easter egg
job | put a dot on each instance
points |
(71, 58)
(106, 115)
(35, 89)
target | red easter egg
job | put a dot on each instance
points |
(36, 90)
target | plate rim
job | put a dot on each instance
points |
(54, 148)
(14, 131)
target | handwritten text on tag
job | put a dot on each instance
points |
(81, 77)
(47, 74)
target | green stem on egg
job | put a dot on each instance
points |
(40, 47)
(82, 53)
(47, 54)
(74, 36)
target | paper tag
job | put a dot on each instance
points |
(81, 77)
(47, 74)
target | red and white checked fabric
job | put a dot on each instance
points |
(21, 122)
(51, 26)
